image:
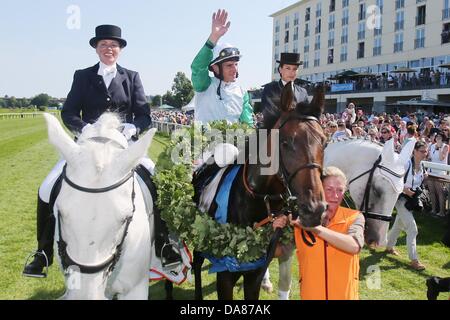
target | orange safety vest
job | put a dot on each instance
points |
(327, 273)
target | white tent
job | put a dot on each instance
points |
(191, 105)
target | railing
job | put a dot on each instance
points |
(5, 116)
(167, 127)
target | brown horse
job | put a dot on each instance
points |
(254, 196)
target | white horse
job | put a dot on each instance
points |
(102, 227)
(375, 175)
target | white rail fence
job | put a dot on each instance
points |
(167, 127)
(25, 115)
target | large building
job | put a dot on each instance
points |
(376, 39)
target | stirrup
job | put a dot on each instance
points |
(168, 265)
(38, 275)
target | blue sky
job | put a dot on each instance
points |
(40, 53)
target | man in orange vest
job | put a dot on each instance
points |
(329, 269)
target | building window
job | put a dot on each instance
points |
(295, 33)
(286, 48)
(277, 54)
(445, 35)
(330, 39)
(380, 5)
(330, 58)
(398, 44)
(332, 5)
(308, 14)
(345, 17)
(331, 22)
(362, 11)
(296, 18)
(421, 13)
(446, 10)
(361, 30)
(399, 20)
(306, 47)
(277, 26)
(317, 59)
(360, 53)
(378, 28)
(343, 53)
(344, 3)
(318, 26)
(295, 47)
(317, 43)
(399, 4)
(286, 22)
(277, 40)
(286, 36)
(307, 30)
(319, 9)
(306, 61)
(419, 42)
(344, 37)
(377, 47)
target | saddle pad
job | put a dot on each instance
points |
(224, 194)
(209, 192)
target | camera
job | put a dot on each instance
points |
(414, 203)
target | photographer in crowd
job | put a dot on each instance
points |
(408, 202)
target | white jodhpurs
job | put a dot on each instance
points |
(46, 187)
(404, 221)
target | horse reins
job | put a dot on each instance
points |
(364, 207)
(287, 195)
(66, 260)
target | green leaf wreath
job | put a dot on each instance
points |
(175, 194)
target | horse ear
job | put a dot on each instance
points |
(388, 151)
(318, 101)
(60, 139)
(130, 157)
(287, 97)
(407, 151)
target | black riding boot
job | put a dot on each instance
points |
(163, 247)
(45, 234)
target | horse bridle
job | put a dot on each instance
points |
(109, 263)
(364, 207)
(287, 196)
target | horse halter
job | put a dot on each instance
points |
(66, 260)
(364, 207)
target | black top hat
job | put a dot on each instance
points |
(290, 58)
(109, 32)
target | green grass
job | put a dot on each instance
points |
(26, 157)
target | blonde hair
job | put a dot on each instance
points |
(334, 172)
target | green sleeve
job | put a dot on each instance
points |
(199, 68)
(247, 111)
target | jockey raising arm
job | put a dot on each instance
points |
(219, 98)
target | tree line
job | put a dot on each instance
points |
(181, 93)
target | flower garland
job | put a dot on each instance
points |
(175, 193)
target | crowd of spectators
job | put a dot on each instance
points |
(178, 117)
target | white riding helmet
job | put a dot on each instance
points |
(223, 52)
